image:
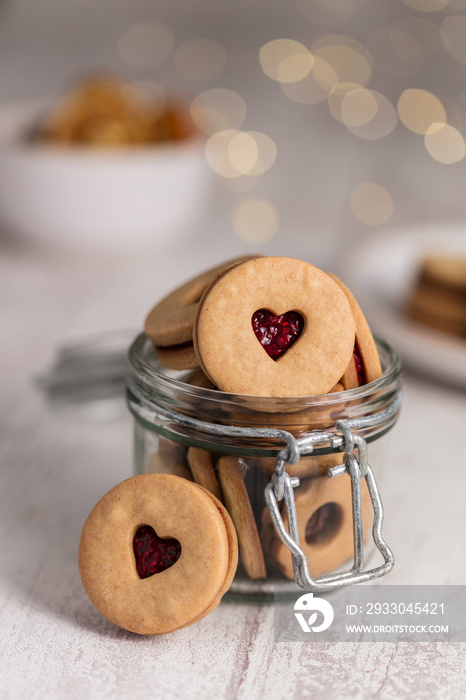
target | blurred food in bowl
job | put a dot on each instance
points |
(107, 167)
(438, 298)
(107, 113)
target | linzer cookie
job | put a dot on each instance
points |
(274, 327)
(232, 562)
(237, 501)
(178, 357)
(170, 323)
(308, 465)
(365, 365)
(350, 379)
(324, 513)
(201, 463)
(198, 378)
(156, 553)
(438, 299)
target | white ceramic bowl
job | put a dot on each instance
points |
(113, 200)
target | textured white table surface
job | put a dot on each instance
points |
(56, 464)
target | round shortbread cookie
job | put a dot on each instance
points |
(170, 322)
(365, 348)
(233, 560)
(174, 508)
(237, 502)
(233, 357)
(445, 272)
(177, 356)
(350, 379)
(199, 379)
(308, 465)
(336, 388)
(324, 513)
(201, 463)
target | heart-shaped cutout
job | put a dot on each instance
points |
(275, 333)
(324, 524)
(153, 553)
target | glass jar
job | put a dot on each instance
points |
(241, 446)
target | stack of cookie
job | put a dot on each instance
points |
(237, 323)
(269, 327)
(438, 299)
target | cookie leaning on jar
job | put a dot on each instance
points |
(142, 561)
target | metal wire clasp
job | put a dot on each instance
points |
(282, 485)
(281, 488)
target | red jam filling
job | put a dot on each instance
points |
(359, 367)
(154, 554)
(277, 334)
(323, 524)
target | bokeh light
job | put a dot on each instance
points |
(267, 153)
(371, 204)
(217, 153)
(285, 60)
(315, 87)
(146, 46)
(255, 220)
(336, 97)
(350, 59)
(242, 152)
(232, 153)
(365, 113)
(358, 107)
(418, 109)
(200, 59)
(218, 109)
(383, 122)
(453, 111)
(445, 143)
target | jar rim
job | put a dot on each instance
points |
(158, 398)
(147, 372)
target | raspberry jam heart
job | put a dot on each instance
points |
(154, 554)
(277, 334)
(324, 524)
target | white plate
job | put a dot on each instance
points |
(381, 272)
